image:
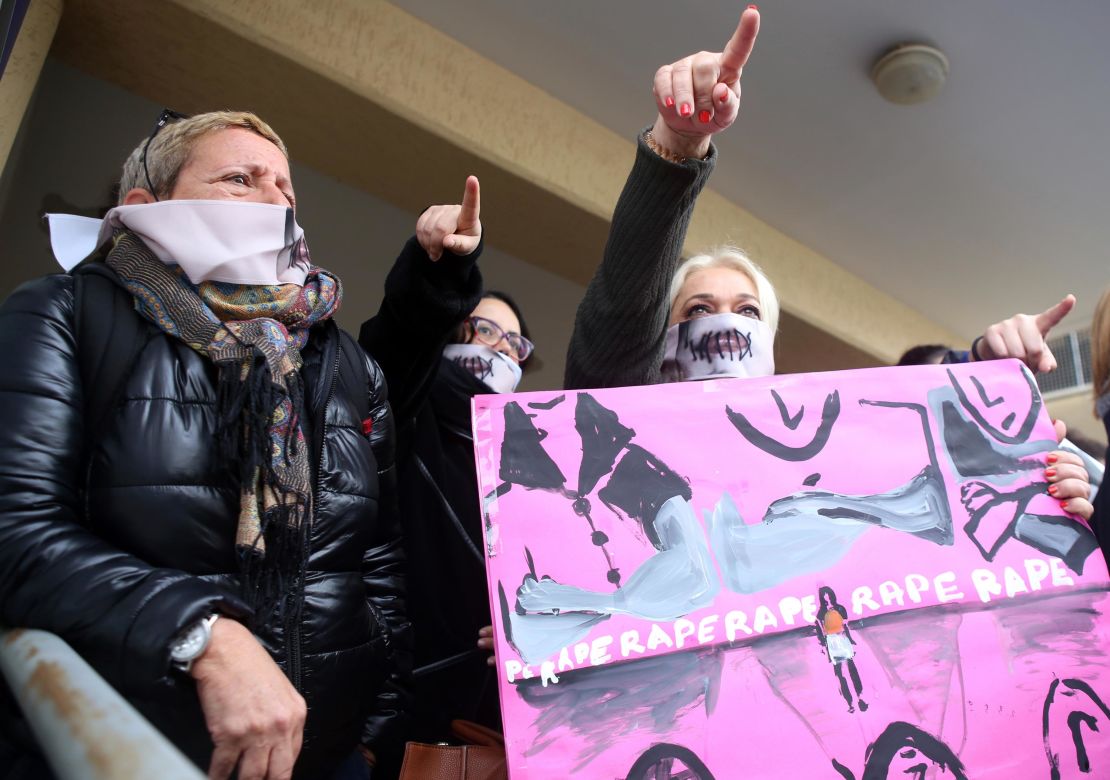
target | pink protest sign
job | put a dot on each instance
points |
(855, 574)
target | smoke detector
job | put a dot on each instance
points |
(910, 73)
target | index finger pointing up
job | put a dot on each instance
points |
(740, 45)
(471, 203)
(1050, 318)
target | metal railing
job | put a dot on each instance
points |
(84, 727)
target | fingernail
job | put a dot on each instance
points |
(1064, 505)
(703, 116)
(1050, 473)
(1052, 490)
(724, 98)
(753, 7)
(685, 109)
(669, 102)
(1052, 458)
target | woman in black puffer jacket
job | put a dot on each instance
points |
(119, 534)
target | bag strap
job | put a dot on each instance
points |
(110, 334)
(476, 734)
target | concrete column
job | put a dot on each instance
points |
(22, 72)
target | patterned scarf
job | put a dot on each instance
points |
(254, 335)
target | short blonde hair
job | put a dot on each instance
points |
(1100, 346)
(171, 146)
(731, 257)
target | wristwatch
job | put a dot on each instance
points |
(191, 643)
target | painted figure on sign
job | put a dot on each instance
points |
(904, 750)
(1074, 724)
(834, 634)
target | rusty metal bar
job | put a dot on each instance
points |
(85, 728)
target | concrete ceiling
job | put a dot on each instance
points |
(991, 199)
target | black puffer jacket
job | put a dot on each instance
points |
(117, 570)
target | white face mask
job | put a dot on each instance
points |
(212, 240)
(718, 346)
(498, 371)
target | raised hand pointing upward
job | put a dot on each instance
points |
(700, 94)
(455, 228)
(1023, 336)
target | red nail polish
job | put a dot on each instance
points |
(1052, 458)
(1064, 504)
(1050, 473)
(685, 109)
(669, 102)
(724, 98)
(703, 116)
(1052, 490)
(754, 7)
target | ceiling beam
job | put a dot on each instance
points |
(372, 96)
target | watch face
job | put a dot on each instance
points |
(189, 645)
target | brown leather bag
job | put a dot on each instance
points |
(481, 758)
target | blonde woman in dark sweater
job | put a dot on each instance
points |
(648, 318)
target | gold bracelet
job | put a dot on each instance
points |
(661, 150)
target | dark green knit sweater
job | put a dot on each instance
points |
(620, 327)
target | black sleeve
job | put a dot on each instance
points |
(383, 578)
(620, 326)
(114, 609)
(424, 302)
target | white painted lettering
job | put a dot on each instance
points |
(658, 637)
(915, 586)
(735, 621)
(809, 608)
(599, 653)
(986, 584)
(944, 585)
(630, 643)
(1014, 583)
(683, 630)
(1059, 573)
(862, 597)
(764, 619)
(1037, 571)
(705, 629)
(547, 673)
(790, 608)
(891, 594)
(581, 653)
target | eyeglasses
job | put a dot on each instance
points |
(167, 116)
(490, 333)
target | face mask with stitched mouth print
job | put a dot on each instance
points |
(717, 347)
(498, 371)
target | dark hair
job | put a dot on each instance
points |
(922, 355)
(900, 735)
(462, 332)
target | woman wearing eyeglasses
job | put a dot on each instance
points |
(441, 340)
(492, 344)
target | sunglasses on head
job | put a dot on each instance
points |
(167, 116)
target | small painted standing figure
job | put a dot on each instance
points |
(834, 634)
